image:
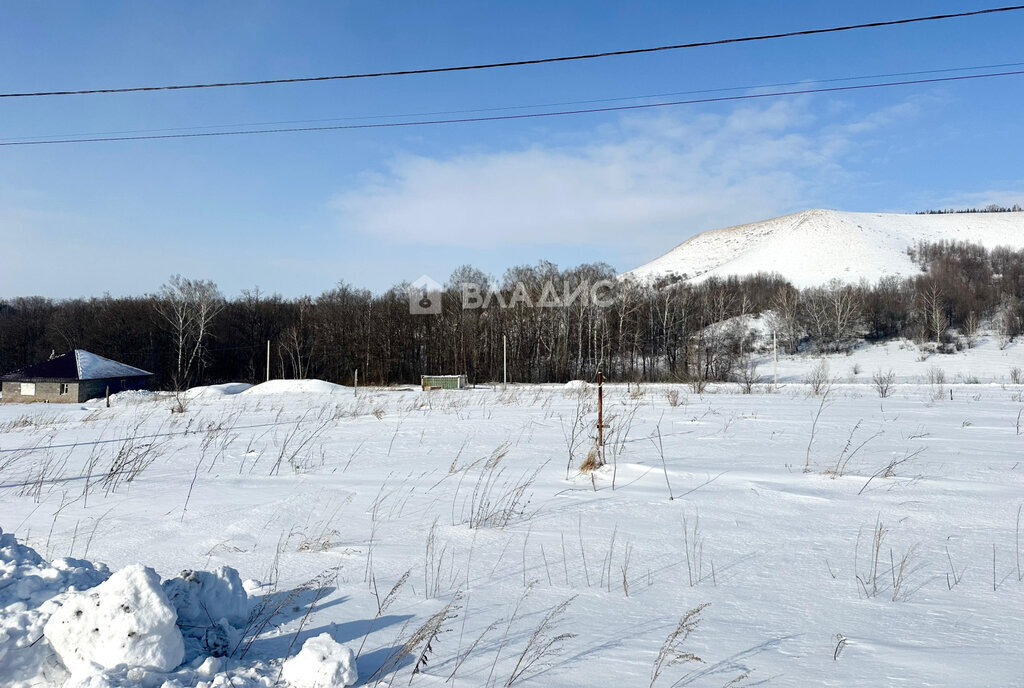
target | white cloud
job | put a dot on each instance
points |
(644, 182)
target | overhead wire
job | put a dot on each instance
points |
(523, 62)
(504, 108)
(511, 117)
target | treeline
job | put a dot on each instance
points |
(554, 327)
(992, 208)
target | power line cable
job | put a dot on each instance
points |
(521, 63)
(519, 107)
(531, 115)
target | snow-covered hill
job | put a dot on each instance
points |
(811, 247)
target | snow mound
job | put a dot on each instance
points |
(45, 618)
(811, 247)
(27, 581)
(28, 585)
(211, 606)
(126, 620)
(321, 663)
(296, 387)
(127, 398)
(226, 389)
(578, 389)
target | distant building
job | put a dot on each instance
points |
(430, 382)
(71, 378)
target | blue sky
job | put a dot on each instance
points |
(296, 213)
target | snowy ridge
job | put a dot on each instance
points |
(812, 247)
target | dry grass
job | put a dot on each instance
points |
(671, 652)
(593, 461)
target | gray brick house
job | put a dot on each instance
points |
(71, 378)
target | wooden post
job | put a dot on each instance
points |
(355, 388)
(504, 361)
(108, 396)
(600, 409)
(268, 360)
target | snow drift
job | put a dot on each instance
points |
(296, 387)
(211, 391)
(811, 247)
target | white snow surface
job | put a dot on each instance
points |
(328, 498)
(296, 387)
(225, 389)
(131, 396)
(93, 367)
(810, 248)
(321, 663)
(125, 620)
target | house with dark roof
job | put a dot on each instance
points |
(71, 378)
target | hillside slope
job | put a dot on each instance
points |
(811, 247)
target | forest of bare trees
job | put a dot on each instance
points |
(188, 333)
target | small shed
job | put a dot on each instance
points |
(71, 378)
(430, 382)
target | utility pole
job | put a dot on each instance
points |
(268, 360)
(504, 361)
(775, 356)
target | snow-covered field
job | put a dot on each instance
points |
(988, 361)
(809, 247)
(838, 540)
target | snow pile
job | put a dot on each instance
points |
(70, 623)
(321, 663)
(578, 389)
(126, 620)
(226, 389)
(27, 588)
(212, 608)
(296, 387)
(127, 398)
(206, 672)
(811, 247)
(26, 580)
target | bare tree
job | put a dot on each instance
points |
(783, 319)
(188, 308)
(832, 313)
(933, 305)
(883, 382)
